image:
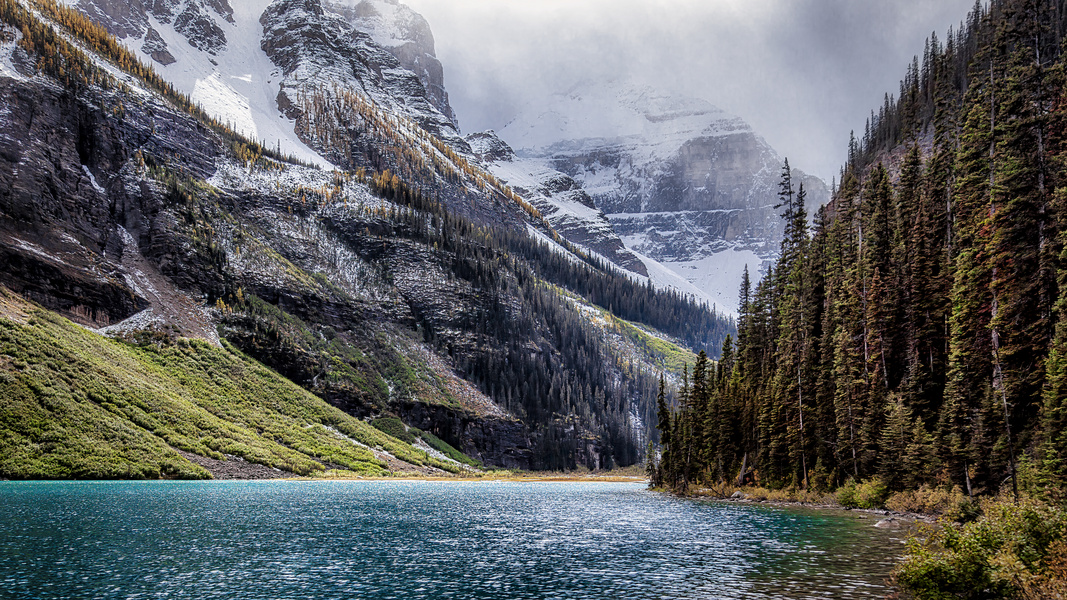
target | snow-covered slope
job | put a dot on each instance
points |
(214, 56)
(559, 199)
(248, 63)
(682, 182)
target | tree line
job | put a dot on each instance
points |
(917, 332)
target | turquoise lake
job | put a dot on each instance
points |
(281, 540)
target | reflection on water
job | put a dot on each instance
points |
(387, 540)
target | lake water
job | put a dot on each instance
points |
(280, 540)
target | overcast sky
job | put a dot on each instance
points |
(803, 73)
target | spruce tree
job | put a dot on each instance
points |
(663, 413)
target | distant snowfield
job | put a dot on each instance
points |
(715, 279)
(647, 126)
(615, 110)
(530, 174)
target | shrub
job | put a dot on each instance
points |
(948, 502)
(871, 493)
(394, 427)
(1013, 550)
(789, 494)
(1051, 582)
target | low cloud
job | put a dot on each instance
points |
(802, 72)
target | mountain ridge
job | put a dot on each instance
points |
(363, 286)
(681, 181)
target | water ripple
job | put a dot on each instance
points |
(415, 540)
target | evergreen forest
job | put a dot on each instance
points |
(914, 330)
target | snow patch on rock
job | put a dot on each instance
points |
(237, 85)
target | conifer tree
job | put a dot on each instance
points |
(698, 416)
(665, 469)
(919, 332)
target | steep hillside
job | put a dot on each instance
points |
(682, 182)
(128, 209)
(80, 405)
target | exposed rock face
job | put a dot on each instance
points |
(194, 19)
(156, 47)
(65, 203)
(558, 197)
(494, 441)
(488, 147)
(681, 181)
(317, 48)
(123, 18)
(199, 28)
(406, 35)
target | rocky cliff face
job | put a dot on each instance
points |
(357, 106)
(406, 35)
(317, 49)
(681, 181)
(502, 442)
(74, 226)
(197, 20)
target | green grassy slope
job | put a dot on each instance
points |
(74, 404)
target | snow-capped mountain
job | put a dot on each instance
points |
(682, 182)
(309, 78)
(558, 197)
(319, 50)
(271, 64)
(636, 176)
(251, 64)
(406, 35)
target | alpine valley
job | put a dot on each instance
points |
(248, 239)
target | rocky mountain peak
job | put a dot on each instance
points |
(683, 183)
(406, 35)
(316, 47)
(488, 147)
